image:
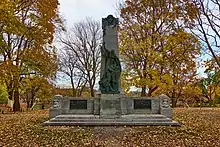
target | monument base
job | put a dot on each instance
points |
(111, 109)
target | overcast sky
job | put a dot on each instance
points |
(76, 10)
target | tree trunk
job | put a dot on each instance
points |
(92, 92)
(149, 94)
(174, 102)
(32, 98)
(10, 91)
(91, 86)
(73, 88)
(10, 95)
(27, 99)
(143, 91)
(151, 90)
(28, 104)
(16, 105)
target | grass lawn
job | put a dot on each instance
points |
(200, 127)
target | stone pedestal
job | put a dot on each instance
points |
(165, 108)
(110, 106)
(53, 112)
(166, 112)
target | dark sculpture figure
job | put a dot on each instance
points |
(109, 82)
(110, 65)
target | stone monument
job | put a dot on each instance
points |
(111, 106)
(110, 63)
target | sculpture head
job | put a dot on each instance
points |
(110, 19)
(56, 103)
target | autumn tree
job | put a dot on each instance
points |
(154, 45)
(83, 42)
(3, 94)
(207, 27)
(210, 84)
(181, 64)
(211, 87)
(34, 89)
(26, 35)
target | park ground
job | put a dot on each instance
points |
(199, 127)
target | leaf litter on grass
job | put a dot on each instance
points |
(200, 127)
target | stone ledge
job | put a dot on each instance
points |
(110, 123)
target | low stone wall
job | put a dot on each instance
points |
(140, 105)
(113, 105)
(66, 105)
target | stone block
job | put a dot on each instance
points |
(110, 106)
(65, 103)
(97, 106)
(155, 106)
(124, 106)
(65, 111)
(127, 105)
(166, 112)
(90, 105)
(53, 112)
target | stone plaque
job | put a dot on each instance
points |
(142, 104)
(78, 104)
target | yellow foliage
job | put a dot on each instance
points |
(26, 34)
(160, 52)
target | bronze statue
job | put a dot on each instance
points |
(109, 82)
(110, 64)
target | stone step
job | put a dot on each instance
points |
(130, 116)
(111, 120)
(82, 116)
(148, 116)
(111, 123)
(96, 120)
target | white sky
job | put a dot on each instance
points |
(77, 10)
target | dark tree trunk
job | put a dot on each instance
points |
(151, 90)
(32, 97)
(28, 99)
(10, 91)
(174, 102)
(32, 103)
(28, 104)
(92, 92)
(143, 91)
(10, 95)
(16, 105)
(149, 94)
